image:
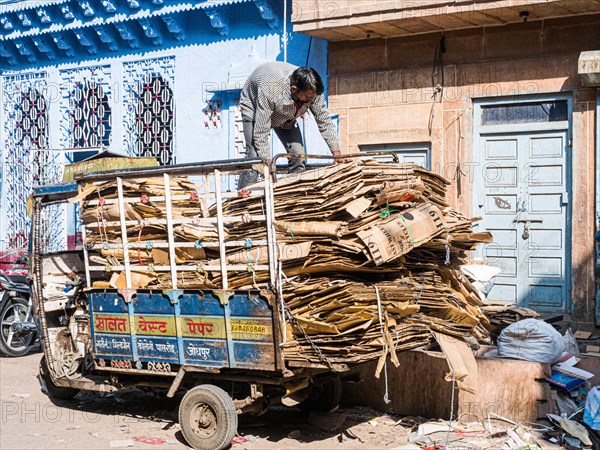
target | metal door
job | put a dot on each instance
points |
(521, 189)
(419, 154)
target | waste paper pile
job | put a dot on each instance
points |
(369, 254)
(501, 315)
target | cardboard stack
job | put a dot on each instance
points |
(147, 214)
(369, 252)
(501, 315)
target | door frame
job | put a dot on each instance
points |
(567, 126)
(597, 210)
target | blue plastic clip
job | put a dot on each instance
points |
(105, 245)
(198, 244)
(148, 245)
(248, 243)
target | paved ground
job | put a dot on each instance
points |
(30, 420)
(136, 419)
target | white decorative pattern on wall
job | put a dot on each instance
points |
(25, 112)
(85, 107)
(149, 120)
(91, 119)
(86, 119)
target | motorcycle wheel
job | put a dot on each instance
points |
(13, 344)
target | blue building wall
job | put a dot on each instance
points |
(89, 63)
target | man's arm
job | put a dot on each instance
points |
(262, 126)
(325, 124)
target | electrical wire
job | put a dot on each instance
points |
(437, 73)
(308, 51)
(437, 78)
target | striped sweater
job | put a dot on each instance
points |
(267, 101)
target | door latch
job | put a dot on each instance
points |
(528, 220)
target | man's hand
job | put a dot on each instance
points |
(338, 160)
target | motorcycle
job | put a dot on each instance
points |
(18, 331)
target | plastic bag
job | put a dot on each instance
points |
(482, 277)
(531, 340)
(591, 414)
(570, 343)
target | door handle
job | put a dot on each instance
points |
(528, 220)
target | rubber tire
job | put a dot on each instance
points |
(4, 348)
(54, 391)
(324, 398)
(223, 408)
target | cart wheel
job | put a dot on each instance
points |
(324, 397)
(54, 391)
(208, 418)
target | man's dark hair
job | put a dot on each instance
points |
(307, 79)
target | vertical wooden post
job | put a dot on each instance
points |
(172, 256)
(221, 230)
(124, 240)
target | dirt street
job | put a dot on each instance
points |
(30, 420)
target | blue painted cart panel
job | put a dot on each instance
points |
(197, 329)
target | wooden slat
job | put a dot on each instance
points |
(124, 240)
(221, 231)
(415, 25)
(170, 237)
(383, 29)
(138, 268)
(447, 21)
(143, 245)
(178, 221)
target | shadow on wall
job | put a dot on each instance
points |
(517, 59)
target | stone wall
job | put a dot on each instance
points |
(382, 90)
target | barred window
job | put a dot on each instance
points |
(155, 120)
(25, 165)
(90, 115)
(31, 119)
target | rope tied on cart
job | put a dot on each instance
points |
(420, 290)
(250, 266)
(386, 212)
(384, 350)
(246, 218)
(315, 347)
(287, 315)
